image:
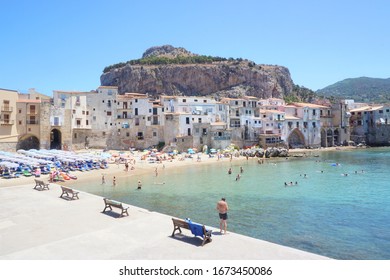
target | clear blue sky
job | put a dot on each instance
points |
(65, 45)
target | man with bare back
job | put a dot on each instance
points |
(222, 208)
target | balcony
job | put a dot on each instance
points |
(6, 122)
(32, 122)
(7, 108)
(32, 113)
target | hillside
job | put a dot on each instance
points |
(361, 89)
(176, 71)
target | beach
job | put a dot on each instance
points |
(144, 167)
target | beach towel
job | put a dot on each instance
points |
(196, 229)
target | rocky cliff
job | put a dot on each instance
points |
(175, 71)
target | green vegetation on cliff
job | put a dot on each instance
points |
(164, 60)
(300, 94)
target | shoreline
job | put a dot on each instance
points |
(143, 166)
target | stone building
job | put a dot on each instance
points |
(70, 120)
(102, 107)
(8, 127)
(303, 127)
(370, 125)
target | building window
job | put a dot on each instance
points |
(83, 112)
(314, 124)
(127, 134)
(204, 101)
(154, 134)
(199, 120)
(87, 122)
(20, 122)
(189, 131)
(78, 122)
(75, 136)
(305, 124)
(20, 111)
(187, 120)
(297, 124)
(108, 113)
(184, 100)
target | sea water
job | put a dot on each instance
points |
(327, 212)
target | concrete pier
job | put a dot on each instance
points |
(38, 225)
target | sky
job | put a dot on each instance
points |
(65, 45)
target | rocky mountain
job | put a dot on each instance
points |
(361, 89)
(176, 71)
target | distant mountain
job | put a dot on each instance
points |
(361, 89)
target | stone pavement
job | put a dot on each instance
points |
(38, 225)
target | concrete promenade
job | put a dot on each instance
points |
(38, 225)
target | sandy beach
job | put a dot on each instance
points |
(144, 166)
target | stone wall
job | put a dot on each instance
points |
(8, 146)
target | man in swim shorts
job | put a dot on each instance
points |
(222, 208)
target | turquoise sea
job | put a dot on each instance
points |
(327, 213)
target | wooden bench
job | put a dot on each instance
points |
(178, 224)
(40, 185)
(69, 192)
(109, 203)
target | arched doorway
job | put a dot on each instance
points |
(55, 139)
(27, 142)
(296, 139)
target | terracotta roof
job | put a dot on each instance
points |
(367, 108)
(310, 105)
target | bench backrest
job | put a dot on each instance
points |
(66, 189)
(180, 223)
(113, 203)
